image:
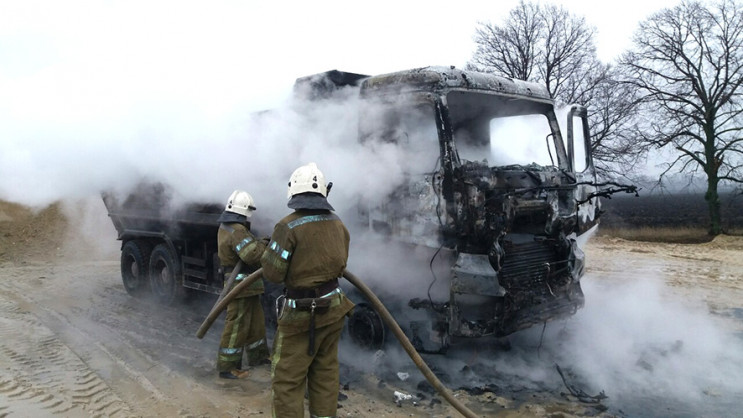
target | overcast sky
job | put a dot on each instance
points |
(74, 71)
(223, 52)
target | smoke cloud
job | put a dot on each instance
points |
(650, 351)
(646, 346)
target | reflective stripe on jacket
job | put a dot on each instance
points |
(307, 249)
(234, 243)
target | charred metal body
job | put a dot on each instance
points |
(512, 225)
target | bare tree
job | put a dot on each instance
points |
(612, 109)
(545, 44)
(569, 52)
(511, 50)
(687, 65)
(549, 45)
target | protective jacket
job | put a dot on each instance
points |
(236, 243)
(308, 249)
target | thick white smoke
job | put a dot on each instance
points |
(651, 351)
(97, 95)
(639, 341)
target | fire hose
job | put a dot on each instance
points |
(226, 297)
(383, 313)
(230, 280)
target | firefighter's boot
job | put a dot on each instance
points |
(234, 374)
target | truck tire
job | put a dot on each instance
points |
(366, 327)
(135, 261)
(165, 275)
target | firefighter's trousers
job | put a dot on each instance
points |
(292, 367)
(244, 328)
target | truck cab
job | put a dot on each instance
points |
(491, 181)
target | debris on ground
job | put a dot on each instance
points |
(402, 397)
(579, 394)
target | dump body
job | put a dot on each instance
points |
(148, 213)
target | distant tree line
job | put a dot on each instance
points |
(678, 88)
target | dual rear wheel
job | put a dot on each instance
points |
(135, 261)
(165, 275)
(146, 268)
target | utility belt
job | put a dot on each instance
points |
(316, 300)
(320, 291)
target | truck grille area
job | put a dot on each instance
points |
(532, 269)
(539, 286)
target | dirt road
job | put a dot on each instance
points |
(73, 343)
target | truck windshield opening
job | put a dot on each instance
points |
(501, 130)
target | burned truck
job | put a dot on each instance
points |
(497, 187)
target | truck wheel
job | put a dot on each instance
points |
(165, 275)
(135, 260)
(366, 327)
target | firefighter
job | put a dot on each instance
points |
(307, 254)
(244, 326)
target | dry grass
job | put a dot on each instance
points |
(680, 235)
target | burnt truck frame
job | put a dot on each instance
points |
(509, 229)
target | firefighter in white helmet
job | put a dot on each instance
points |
(244, 326)
(307, 254)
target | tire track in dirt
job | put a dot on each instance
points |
(44, 377)
(147, 353)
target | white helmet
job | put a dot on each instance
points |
(240, 202)
(307, 178)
